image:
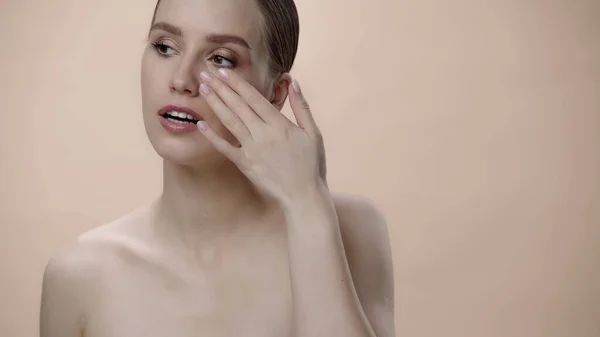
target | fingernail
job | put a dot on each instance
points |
(202, 126)
(296, 86)
(205, 76)
(223, 73)
(205, 89)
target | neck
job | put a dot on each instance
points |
(202, 204)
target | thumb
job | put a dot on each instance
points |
(301, 109)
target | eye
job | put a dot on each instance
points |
(164, 50)
(222, 61)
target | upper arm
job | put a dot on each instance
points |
(64, 294)
(368, 251)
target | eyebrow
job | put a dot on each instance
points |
(212, 38)
(227, 38)
(167, 27)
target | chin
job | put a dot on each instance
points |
(190, 149)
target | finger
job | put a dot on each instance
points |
(229, 119)
(234, 102)
(253, 98)
(231, 152)
(301, 110)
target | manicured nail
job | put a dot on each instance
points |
(205, 76)
(296, 86)
(205, 89)
(202, 126)
(223, 73)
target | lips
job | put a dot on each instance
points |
(178, 119)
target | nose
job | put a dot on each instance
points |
(184, 81)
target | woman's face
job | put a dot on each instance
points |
(187, 37)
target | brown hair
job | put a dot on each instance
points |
(281, 29)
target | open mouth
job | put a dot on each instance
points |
(179, 117)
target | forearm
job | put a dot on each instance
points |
(325, 300)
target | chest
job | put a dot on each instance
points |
(248, 296)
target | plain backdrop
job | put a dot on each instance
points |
(474, 125)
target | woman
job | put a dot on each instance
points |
(246, 238)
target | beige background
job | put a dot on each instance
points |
(475, 125)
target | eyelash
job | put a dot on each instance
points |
(158, 46)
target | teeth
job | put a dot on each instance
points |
(180, 114)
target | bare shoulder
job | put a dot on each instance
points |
(367, 246)
(73, 278)
(70, 287)
(98, 247)
(70, 273)
(358, 216)
(364, 231)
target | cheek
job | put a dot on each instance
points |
(264, 84)
(259, 83)
(257, 76)
(152, 78)
(146, 74)
(150, 87)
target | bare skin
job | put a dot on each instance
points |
(123, 280)
(246, 238)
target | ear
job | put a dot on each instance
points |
(280, 90)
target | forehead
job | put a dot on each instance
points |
(198, 18)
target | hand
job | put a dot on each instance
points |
(283, 160)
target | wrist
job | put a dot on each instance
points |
(313, 199)
(311, 217)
